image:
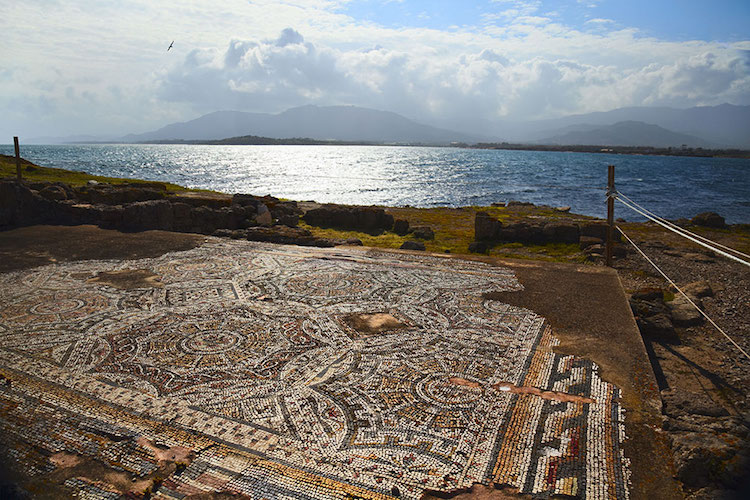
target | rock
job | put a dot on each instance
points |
(698, 289)
(598, 230)
(515, 203)
(521, 232)
(561, 232)
(705, 459)
(401, 227)
(485, 227)
(367, 219)
(423, 233)
(355, 242)
(563, 209)
(92, 183)
(223, 233)
(648, 294)
(698, 257)
(144, 215)
(54, 193)
(263, 216)
(282, 234)
(678, 403)
(658, 325)
(479, 246)
(412, 245)
(683, 312)
(586, 241)
(181, 217)
(594, 249)
(708, 219)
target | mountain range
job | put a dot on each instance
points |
(337, 123)
(723, 126)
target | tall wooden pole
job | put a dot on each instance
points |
(610, 212)
(18, 158)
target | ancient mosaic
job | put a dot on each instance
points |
(312, 373)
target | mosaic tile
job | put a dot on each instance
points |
(248, 355)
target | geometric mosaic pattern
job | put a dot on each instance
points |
(252, 346)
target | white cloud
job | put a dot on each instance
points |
(104, 66)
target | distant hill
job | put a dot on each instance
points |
(625, 133)
(334, 123)
(725, 125)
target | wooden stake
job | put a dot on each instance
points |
(18, 158)
(610, 213)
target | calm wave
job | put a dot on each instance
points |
(424, 177)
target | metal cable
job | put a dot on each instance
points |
(683, 293)
(714, 249)
(683, 230)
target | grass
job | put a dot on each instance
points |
(35, 173)
(454, 231)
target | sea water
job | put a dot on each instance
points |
(672, 187)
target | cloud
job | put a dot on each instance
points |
(435, 84)
(519, 61)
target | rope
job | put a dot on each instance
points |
(683, 230)
(714, 249)
(683, 293)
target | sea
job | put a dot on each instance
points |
(671, 187)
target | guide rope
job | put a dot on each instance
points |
(683, 230)
(695, 240)
(683, 293)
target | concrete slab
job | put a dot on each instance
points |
(271, 370)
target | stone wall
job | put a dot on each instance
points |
(489, 231)
(146, 206)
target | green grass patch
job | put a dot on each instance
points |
(35, 173)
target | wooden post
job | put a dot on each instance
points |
(18, 158)
(610, 213)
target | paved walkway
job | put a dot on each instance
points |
(279, 371)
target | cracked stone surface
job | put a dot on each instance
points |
(283, 371)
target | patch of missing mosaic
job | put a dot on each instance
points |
(365, 325)
(128, 279)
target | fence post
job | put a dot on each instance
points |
(18, 158)
(610, 213)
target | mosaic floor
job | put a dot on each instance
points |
(300, 373)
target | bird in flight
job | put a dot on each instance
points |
(170, 45)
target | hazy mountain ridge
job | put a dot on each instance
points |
(340, 123)
(723, 126)
(626, 133)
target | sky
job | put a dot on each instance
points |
(102, 67)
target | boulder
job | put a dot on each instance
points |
(143, 215)
(401, 226)
(485, 227)
(657, 325)
(708, 219)
(423, 233)
(281, 234)
(683, 312)
(181, 217)
(698, 289)
(586, 241)
(412, 245)
(479, 246)
(263, 217)
(561, 232)
(521, 232)
(56, 193)
(366, 219)
(678, 403)
(598, 230)
(704, 458)
(354, 242)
